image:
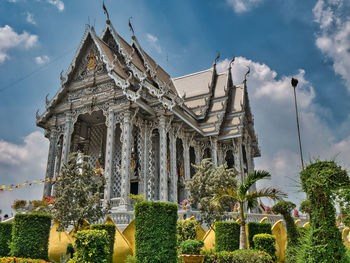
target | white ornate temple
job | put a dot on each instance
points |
(145, 128)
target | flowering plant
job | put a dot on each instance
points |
(296, 213)
(184, 204)
(268, 210)
(19, 204)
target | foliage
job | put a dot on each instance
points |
(70, 250)
(21, 260)
(243, 196)
(186, 229)
(285, 208)
(110, 229)
(306, 207)
(227, 236)
(343, 198)
(205, 184)
(136, 198)
(320, 180)
(19, 204)
(130, 259)
(265, 242)
(5, 238)
(155, 235)
(78, 193)
(91, 246)
(44, 205)
(30, 236)
(184, 204)
(255, 228)
(191, 247)
(238, 256)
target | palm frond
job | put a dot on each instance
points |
(229, 193)
(269, 192)
(252, 178)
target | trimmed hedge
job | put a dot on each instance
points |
(186, 229)
(5, 238)
(21, 260)
(227, 236)
(110, 229)
(238, 256)
(191, 247)
(91, 246)
(265, 242)
(155, 235)
(30, 236)
(255, 228)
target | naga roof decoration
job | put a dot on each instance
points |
(206, 101)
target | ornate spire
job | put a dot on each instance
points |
(231, 62)
(217, 58)
(131, 28)
(106, 12)
(246, 74)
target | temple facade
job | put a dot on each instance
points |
(145, 128)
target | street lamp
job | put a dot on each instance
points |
(294, 84)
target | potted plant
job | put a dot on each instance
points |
(19, 206)
(191, 251)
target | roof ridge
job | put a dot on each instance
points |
(192, 74)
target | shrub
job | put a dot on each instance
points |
(191, 247)
(238, 256)
(155, 235)
(30, 236)
(186, 229)
(110, 229)
(5, 238)
(265, 242)
(21, 260)
(227, 236)
(255, 228)
(91, 246)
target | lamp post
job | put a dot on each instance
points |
(294, 84)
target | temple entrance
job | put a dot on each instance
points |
(230, 159)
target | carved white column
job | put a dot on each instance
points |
(239, 159)
(197, 150)
(146, 138)
(110, 123)
(163, 173)
(187, 164)
(221, 155)
(173, 174)
(50, 169)
(214, 151)
(68, 129)
(125, 171)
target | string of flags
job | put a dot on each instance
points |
(25, 184)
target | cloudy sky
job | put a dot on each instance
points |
(278, 40)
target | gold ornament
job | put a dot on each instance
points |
(92, 62)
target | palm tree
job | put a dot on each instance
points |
(242, 196)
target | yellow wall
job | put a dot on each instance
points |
(58, 242)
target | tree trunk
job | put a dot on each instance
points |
(243, 235)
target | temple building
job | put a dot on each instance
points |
(145, 128)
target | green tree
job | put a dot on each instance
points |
(78, 192)
(205, 184)
(246, 198)
(321, 180)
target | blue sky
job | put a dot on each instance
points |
(277, 39)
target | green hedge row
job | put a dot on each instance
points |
(227, 236)
(91, 246)
(265, 242)
(186, 229)
(5, 238)
(21, 260)
(30, 236)
(110, 229)
(255, 228)
(155, 235)
(238, 256)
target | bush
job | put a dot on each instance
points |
(238, 256)
(21, 260)
(255, 228)
(155, 235)
(186, 229)
(110, 229)
(265, 242)
(191, 247)
(91, 246)
(5, 238)
(30, 236)
(227, 236)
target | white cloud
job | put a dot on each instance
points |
(40, 60)
(11, 39)
(333, 39)
(30, 18)
(153, 40)
(57, 3)
(241, 6)
(20, 163)
(272, 103)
